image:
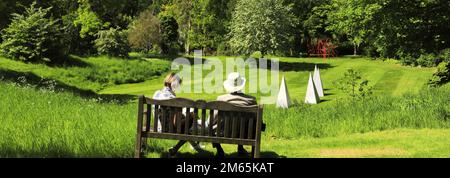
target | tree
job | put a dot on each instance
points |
(169, 33)
(304, 24)
(33, 36)
(201, 33)
(89, 22)
(260, 26)
(352, 18)
(112, 42)
(182, 10)
(144, 33)
(9, 7)
(353, 84)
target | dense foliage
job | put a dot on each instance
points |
(265, 29)
(112, 42)
(414, 32)
(144, 32)
(33, 37)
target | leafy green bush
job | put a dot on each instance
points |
(112, 42)
(33, 37)
(144, 33)
(442, 75)
(425, 59)
(428, 60)
(444, 55)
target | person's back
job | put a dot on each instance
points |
(238, 98)
(234, 85)
(172, 83)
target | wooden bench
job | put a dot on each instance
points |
(239, 125)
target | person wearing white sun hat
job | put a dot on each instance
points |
(234, 85)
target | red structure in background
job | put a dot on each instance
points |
(321, 47)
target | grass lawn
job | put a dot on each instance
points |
(387, 78)
(403, 119)
(39, 123)
(397, 143)
(87, 73)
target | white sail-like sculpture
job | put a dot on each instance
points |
(283, 100)
(312, 97)
(318, 81)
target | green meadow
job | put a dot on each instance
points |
(403, 118)
(387, 77)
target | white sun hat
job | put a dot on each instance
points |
(234, 82)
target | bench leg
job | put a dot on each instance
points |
(137, 149)
(253, 152)
(256, 151)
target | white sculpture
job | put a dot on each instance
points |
(283, 100)
(312, 97)
(318, 81)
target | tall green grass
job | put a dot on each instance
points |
(38, 123)
(93, 73)
(428, 109)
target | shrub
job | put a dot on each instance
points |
(428, 60)
(441, 76)
(144, 33)
(112, 42)
(33, 37)
(354, 85)
(444, 55)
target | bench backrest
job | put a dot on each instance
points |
(230, 121)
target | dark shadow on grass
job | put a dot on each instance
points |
(323, 100)
(297, 66)
(32, 80)
(283, 66)
(173, 57)
(70, 61)
(208, 154)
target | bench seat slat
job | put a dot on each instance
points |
(148, 115)
(242, 119)
(227, 121)
(250, 128)
(211, 118)
(195, 121)
(155, 119)
(186, 120)
(203, 121)
(171, 115)
(178, 120)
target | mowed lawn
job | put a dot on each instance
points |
(404, 119)
(387, 78)
(397, 143)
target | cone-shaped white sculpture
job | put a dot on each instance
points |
(283, 100)
(311, 92)
(318, 81)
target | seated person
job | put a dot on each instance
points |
(234, 85)
(172, 83)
